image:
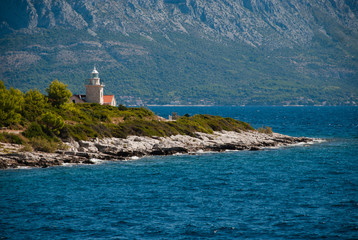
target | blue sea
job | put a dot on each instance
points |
(298, 192)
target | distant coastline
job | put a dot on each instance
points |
(198, 105)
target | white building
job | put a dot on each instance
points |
(94, 92)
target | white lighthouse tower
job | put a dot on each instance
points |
(94, 92)
(94, 88)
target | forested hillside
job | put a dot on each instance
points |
(186, 51)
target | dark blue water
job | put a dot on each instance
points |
(288, 193)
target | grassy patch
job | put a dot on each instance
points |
(12, 138)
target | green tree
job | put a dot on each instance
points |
(2, 85)
(34, 105)
(34, 130)
(11, 104)
(57, 93)
(52, 122)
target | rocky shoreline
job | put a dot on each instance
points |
(89, 152)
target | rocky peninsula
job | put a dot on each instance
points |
(113, 149)
(39, 130)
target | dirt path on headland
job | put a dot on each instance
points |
(11, 131)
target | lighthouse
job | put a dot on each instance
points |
(94, 88)
(94, 92)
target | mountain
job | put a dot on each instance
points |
(186, 51)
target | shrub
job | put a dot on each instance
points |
(101, 116)
(62, 146)
(266, 130)
(82, 132)
(65, 133)
(34, 130)
(184, 125)
(52, 122)
(43, 145)
(122, 108)
(141, 112)
(102, 130)
(11, 138)
(26, 148)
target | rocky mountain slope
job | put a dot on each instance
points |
(187, 51)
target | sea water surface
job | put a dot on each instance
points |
(300, 192)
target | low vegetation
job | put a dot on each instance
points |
(47, 120)
(266, 130)
(11, 138)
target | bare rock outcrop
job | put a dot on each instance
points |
(85, 152)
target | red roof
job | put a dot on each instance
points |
(108, 98)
